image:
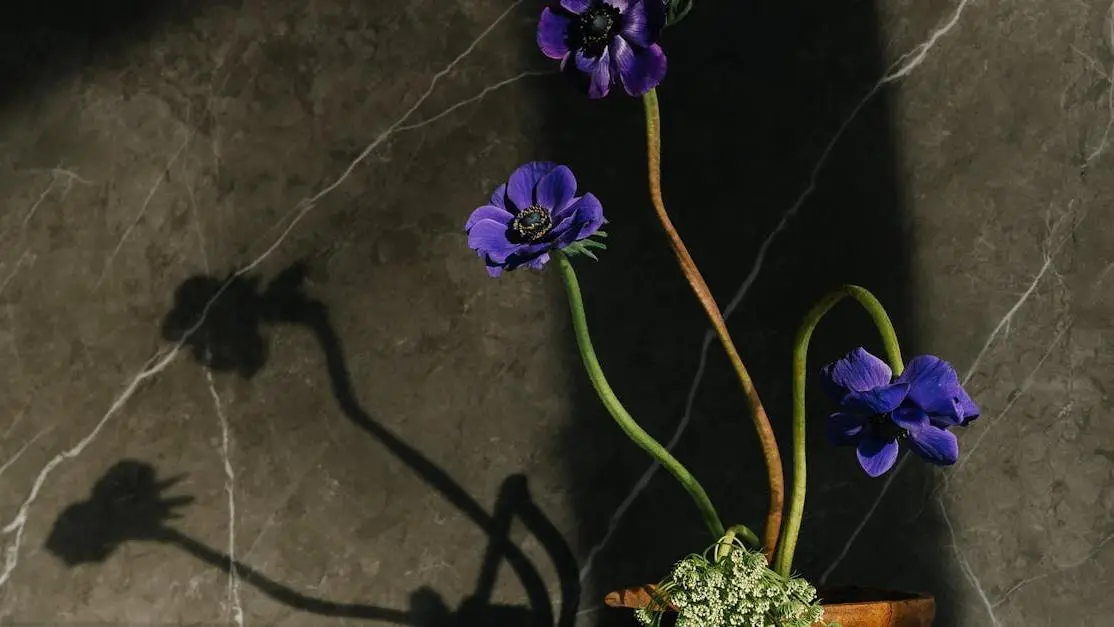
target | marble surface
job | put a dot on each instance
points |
(363, 428)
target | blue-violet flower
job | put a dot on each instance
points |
(879, 411)
(534, 212)
(612, 41)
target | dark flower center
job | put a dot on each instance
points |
(531, 224)
(884, 428)
(598, 24)
(594, 29)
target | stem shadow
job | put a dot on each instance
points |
(126, 504)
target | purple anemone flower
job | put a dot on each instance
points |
(609, 40)
(879, 411)
(536, 211)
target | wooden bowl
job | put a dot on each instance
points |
(850, 606)
(865, 607)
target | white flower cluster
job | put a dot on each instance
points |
(737, 590)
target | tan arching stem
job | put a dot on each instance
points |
(770, 453)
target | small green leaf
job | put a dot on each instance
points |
(676, 10)
(583, 247)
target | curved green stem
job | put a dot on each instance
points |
(619, 413)
(728, 540)
(792, 526)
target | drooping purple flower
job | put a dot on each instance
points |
(934, 386)
(535, 212)
(611, 41)
(878, 411)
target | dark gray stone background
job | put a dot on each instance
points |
(364, 433)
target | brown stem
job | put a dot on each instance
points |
(770, 452)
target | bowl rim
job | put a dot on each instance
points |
(880, 596)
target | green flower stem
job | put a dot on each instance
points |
(619, 413)
(792, 526)
(728, 540)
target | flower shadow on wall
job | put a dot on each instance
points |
(127, 503)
